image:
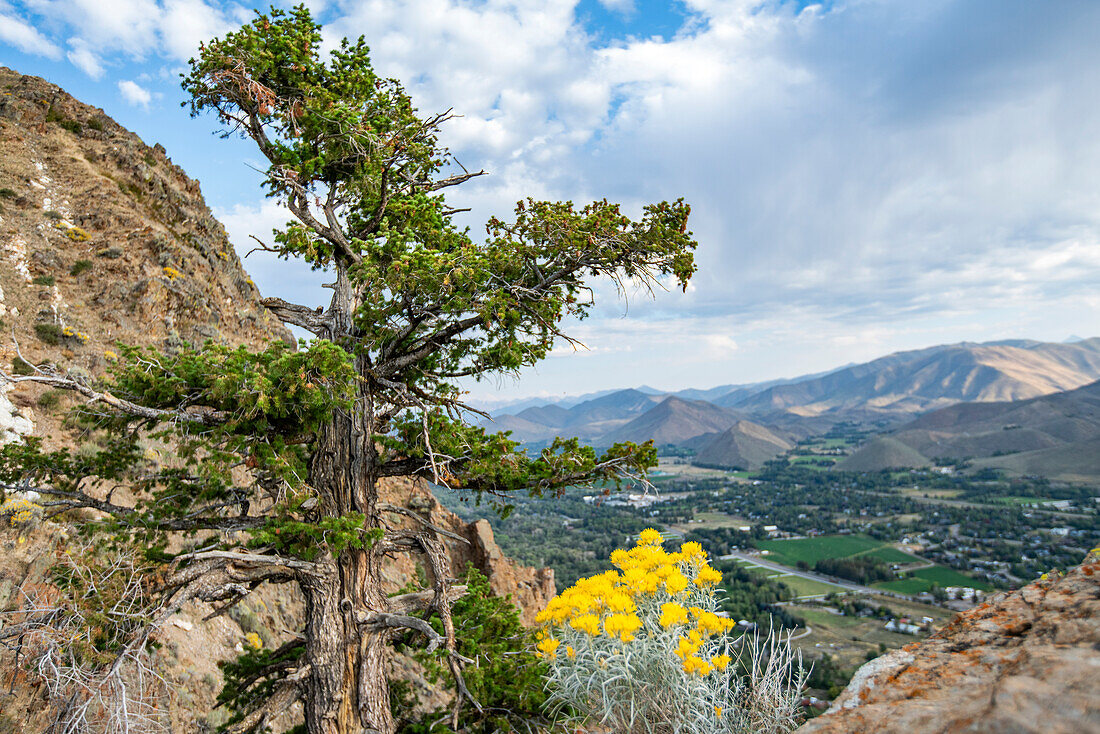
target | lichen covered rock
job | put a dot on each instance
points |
(1025, 661)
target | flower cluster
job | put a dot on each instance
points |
(71, 333)
(20, 511)
(609, 602)
(171, 273)
(644, 648)
(74, 233)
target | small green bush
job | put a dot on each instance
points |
(507, 682)
(44, 280)
(6, 193)
(80, 266)
(51, 334)
(54, 115)
(95, 124)
(111, 253)
(49, 399)
(21, 366)
(51, 214)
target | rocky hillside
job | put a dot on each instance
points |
(907, 383)
(1026, 661)
(1055, 435)
(103, 235)
(744, 445)
(103, 239)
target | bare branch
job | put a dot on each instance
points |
(313, 320)
(253, 559)
(286, 692)
(419, 601)
(387, 507)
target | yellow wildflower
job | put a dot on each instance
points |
(708, 577)
(253, 640)
(695, 666)
(548, 647)
(587, 623)
(622, 626)
(649, 536)
(719, 662)
(672, 613)
(692, 552)
(676, 583)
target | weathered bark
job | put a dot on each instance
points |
(347, 692)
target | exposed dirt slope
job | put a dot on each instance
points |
(917, 381)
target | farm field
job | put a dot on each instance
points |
(939, 494)
(812, 550)
(800, 586)
(805, 587)
(923, 580)
(888, 554)
(711, 520)
(819, 463)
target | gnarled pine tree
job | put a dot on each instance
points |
(280, 452)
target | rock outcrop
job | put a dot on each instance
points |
(104, 235)
(1025, 661)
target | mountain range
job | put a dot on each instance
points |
(745, 425)
(1056, 435)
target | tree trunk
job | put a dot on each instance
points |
(347, 690)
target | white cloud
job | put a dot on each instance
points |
(134, 93)
(83, 57)
(623, 7)
(25, 36)
(137, 29)
(186, 23)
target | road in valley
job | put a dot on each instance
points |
(846, 585)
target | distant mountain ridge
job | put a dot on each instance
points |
(927, 379)
(1054, 435)
(674, 421)
(886, 391)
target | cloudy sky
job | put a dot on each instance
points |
(865, 176)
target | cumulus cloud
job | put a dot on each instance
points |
(137, 29)
(84, 58)
(134, 93)
(24, 36)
